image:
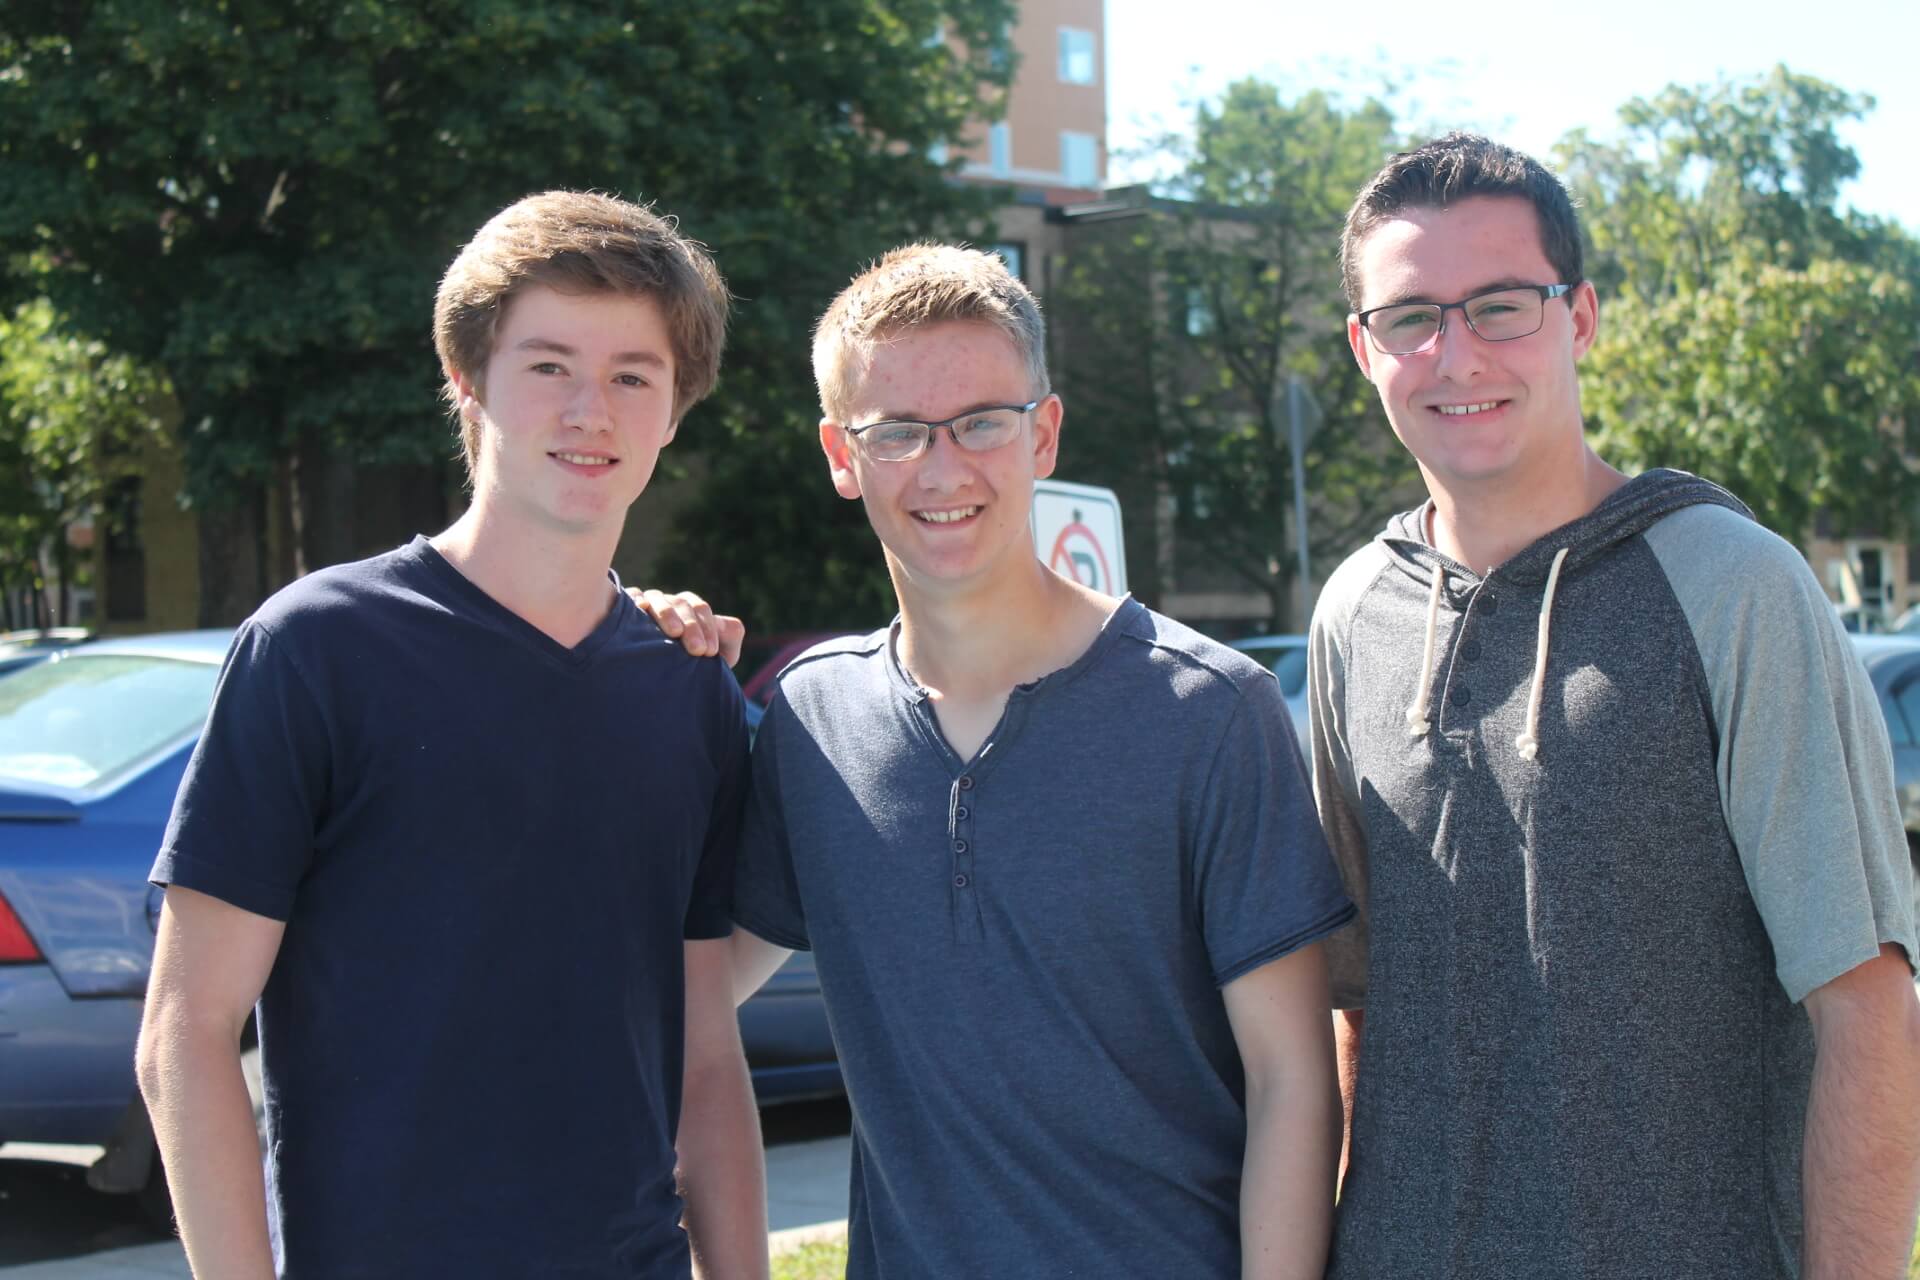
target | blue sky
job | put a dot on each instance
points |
(1524, 73)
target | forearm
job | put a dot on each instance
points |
(722, 1173)
(1861, 1166)
(1348, 1025)
(203, 1122)
(1287, 1179)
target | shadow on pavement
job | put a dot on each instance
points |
(48, 1211)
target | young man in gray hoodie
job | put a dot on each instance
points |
(1612, 791)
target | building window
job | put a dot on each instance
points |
(937, 153)
(1080, 159)
(1014, 254)
(1076, 56)
(1199, 319)
(1000, 148)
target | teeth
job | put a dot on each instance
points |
(947, 517)
(1456, 410)
(584, 459)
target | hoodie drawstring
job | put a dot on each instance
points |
(1417, 709)
(1528, 742)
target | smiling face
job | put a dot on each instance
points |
(948, 517)
(1476, 415)
(574, 409)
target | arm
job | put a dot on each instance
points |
(1347, 1027)
(1861, 1166)
(722, 1173)
(209, 964)
(754, 961)
(1279, 1018)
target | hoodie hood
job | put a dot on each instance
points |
(1627, 512)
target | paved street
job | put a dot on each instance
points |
(52, 1227)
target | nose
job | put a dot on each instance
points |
(943, 467)
(586, 409)
(1458, 352)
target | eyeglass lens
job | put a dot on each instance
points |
(976, 433)
(1496, 317)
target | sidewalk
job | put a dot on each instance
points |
(806, 1197)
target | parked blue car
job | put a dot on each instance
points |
(93, 742)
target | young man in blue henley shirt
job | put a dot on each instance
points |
(1055, 855)
(462, 821)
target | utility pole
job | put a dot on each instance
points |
(1303, 419)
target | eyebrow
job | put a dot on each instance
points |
(1504, 282)
(651, 358)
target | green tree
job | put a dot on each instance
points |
(1182, 324)
(257, 196)
(1752, 330)
(72, 415)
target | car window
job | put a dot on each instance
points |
(82, 721)
(1291, 666)
(1904, 692)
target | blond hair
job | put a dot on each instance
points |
(922, 284)
(578, 242)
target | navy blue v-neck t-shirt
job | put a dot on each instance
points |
(487, 849)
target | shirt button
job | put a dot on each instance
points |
(1462, 695)
(1469, 650)
(1489, 603)
(960, 814)
(960, 881)
(966, 782)
(959, 846)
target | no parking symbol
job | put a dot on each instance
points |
(1076, 533)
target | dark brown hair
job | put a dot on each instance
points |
(1455, 168)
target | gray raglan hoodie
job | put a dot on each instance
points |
(1611, 810)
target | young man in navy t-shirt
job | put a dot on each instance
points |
(434, 828)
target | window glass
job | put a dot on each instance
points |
(80, 721)
(1905, 712)
(1000, 147)
(1290, 665)
(1076, 56)
(1014, 254)
(1079, 159)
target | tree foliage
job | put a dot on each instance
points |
(1752, 330)
(72, 415)
(257, 196)
(1186, 318)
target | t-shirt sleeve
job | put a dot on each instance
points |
(1804, 764)
(243, 822)
(766, 893)
(1337, 798)
(710, 906)
(1263, 880)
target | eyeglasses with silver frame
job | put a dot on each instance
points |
(1497, 315)
(976, 431)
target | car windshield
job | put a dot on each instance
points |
(83, 721)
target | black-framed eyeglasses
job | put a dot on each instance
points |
(976, 431)
(1498, 315)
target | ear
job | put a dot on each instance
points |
(466, 394)
(1584, 305)
(838, 446)
(1357, 343)
(1046, 436)
(673, 429)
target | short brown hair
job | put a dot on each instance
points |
(922, 284)
(1451, 169)
(580, 242)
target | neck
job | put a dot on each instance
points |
(982, 639)
(1483, 528)
(555, 579)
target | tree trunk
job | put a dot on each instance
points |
(232, 560)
